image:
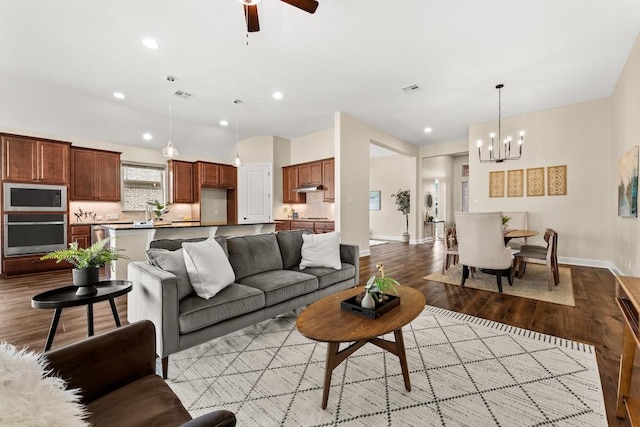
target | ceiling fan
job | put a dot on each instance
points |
(251, 11)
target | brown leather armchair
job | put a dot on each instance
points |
(116, 372)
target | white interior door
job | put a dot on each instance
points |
(254, 193)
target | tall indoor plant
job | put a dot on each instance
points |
(87, 262)
(403, 204)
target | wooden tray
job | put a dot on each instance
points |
(352, 305)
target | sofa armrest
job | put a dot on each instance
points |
(350, 254)
(220, 418)
(106, 362)
(154, 297)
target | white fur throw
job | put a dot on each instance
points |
(28, 397)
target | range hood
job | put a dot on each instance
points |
(308, 188)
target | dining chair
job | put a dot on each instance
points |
(517, 221)
(548, 258)
(450, 248)
(549, 233)
(481, 245)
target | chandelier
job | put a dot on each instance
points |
(501, 151)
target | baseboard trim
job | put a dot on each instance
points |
(597, 263)
(379, 237)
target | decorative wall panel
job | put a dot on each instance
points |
(557, 180)
(535, 182)
(515, 183)
(496, 184)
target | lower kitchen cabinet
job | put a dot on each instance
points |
(28, 264)
(82, 235)
(317, 227)
(323, 227)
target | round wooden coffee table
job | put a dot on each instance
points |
(325, 321)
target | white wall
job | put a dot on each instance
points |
(315, 146)
(457, 180)
(626, 133)
(579, 136)
(352, 139)
(388, 175)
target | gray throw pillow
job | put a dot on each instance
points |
(173, 262)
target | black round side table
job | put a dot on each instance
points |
(66, 297)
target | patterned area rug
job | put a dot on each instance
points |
(465, 371)
(533, 284)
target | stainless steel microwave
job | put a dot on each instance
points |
(34, 198)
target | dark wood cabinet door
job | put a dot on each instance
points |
(19, 159)
(53, 162)
(289, 183)
(107, 176)
(82, 235)
(228, 176)
(209, 174)
(82, 174)
(328, 180)
(181, 181)
(310, 174)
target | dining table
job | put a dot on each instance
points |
(517, 234)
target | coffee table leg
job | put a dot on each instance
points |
(332, 351)
(403, 358)
(52, 328)
(90, 319)
(114, 310)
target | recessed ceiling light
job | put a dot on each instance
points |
(118, 95)
(150, 43)
(428, 130)
(277, 95)
(147, 136)
(224, 123)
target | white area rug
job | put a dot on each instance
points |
(377, 242)
(465, 371)
(533, 284)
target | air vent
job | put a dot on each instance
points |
(182, 94)
(410, 89)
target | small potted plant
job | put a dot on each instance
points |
(505, 222)
(87, 262)
(158, 209)
(377, 287)
(403, 203)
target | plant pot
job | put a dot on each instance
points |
(85, 280)
(405, 237)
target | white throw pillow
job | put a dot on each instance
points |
(208, 267)
(321, 250)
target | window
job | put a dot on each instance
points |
(142, 183)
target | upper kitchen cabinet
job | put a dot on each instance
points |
(290, 182)
(180, 181)
(95, 175)
(310, 174)
(31, 160)
(328, 180)
(214, 175)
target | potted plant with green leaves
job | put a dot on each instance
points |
(87, 262)
(159, 209)
(403, 204)
(378, 288)
(505, 222)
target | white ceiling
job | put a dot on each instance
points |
(62, 60)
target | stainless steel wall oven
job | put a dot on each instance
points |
(32, 233)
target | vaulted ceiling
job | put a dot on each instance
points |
(62, 60)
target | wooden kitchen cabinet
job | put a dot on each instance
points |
(95, 175)
(228, 176)
(82, 235)
(328, 180)
(32, 160)
(215, 175)
(323, 227)
(180, 181)
(290, 182)
(310, 174)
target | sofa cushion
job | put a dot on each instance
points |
(321, 250)
(234, 300)
(254, 254)
(175, 244)
(329, 276)
(281, 285)
(173, 262)
(208, 267)
(134, 405)
(290, 243)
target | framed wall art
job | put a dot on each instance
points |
(628, 184)
(557, 180)
(535, 182)
(496, 184)
(515, 183)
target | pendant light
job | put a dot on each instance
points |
(237, 162)
(170, 151)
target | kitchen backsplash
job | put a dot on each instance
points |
(135, 196)
(113, 211)
(314, 208)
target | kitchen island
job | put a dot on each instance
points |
(135, 239)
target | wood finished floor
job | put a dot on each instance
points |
(595, 319)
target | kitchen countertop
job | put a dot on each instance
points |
(306, 219)
(180, 224)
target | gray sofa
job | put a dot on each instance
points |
(268, 282)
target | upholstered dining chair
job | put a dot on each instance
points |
(517, 221)
(481, 245)
(541, 255)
